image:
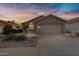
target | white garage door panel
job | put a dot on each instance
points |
(50, 29)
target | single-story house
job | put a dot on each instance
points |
(49, 24)
(72, 25)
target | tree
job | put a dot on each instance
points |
(25, 26)
(7, 29)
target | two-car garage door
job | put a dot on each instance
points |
(51, 29)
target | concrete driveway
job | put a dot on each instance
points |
(56, 45)
(47, 45)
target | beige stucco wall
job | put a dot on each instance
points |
(72, 27)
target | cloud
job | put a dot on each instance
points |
(23, 12)
(67, 16)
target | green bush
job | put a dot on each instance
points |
(17, 31)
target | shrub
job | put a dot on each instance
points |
(21, 38)
(14, 37)
(17, 31)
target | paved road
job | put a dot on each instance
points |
(47, 45)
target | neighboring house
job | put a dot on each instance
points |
(15, 25)
(50, 24)
(2, 24)
(72, 25)
(8, 23)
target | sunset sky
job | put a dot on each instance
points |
(21, 12)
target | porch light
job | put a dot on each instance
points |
(31, 26)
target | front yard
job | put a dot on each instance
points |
(16, 40)
(47, 45)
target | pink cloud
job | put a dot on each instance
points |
(21, 15)
(67, 16)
